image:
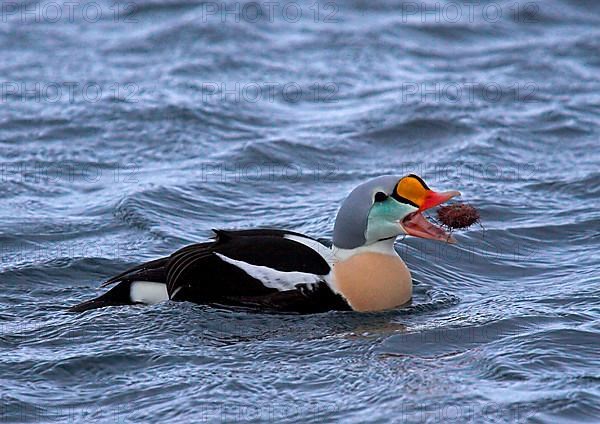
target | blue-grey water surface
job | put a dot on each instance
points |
(129, 130)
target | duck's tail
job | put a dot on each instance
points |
(143, 284)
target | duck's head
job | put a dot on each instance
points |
(386, 207)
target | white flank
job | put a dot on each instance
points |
(325, 252)
(273, 278)
(148, 292)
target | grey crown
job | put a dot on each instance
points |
(351, 221)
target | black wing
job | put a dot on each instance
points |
(198, 271)
(210, 273)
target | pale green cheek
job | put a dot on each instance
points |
(383, 219)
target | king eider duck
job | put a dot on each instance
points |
(280, 270)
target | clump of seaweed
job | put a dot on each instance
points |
(458, 216)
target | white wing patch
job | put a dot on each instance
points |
(325, 252)
(272, 278)
(148, 292)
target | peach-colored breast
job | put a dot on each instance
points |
(373, 281)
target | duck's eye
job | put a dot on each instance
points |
(380, 196)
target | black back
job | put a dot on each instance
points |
(198, 274)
